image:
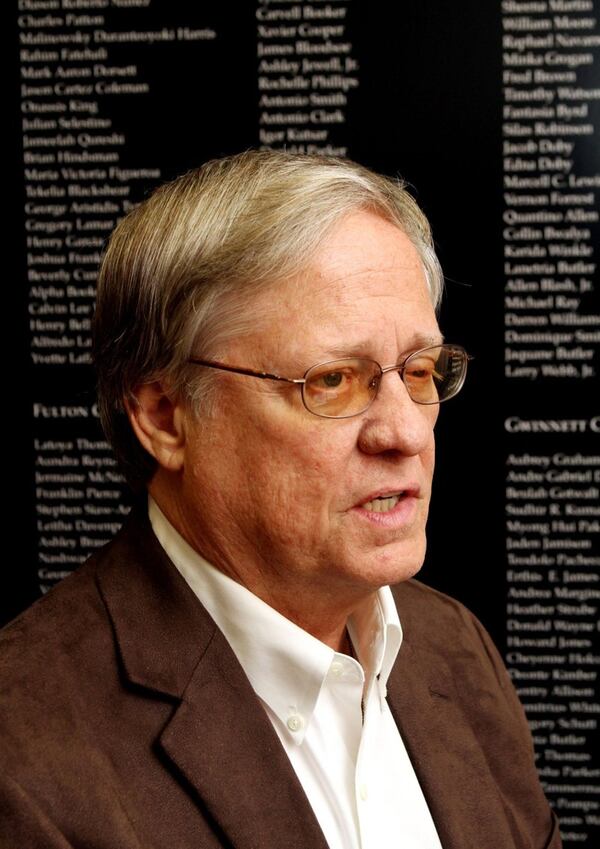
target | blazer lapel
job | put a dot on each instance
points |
(219, 737)
(221, 740)
(447, 758)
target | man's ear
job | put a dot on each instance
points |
(159, 424)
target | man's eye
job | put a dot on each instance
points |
(332, 380)
(420, 373)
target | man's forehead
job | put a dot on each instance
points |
(381, 288)
(339, 280)
(304, 330)
(367, 238)
(363, 292)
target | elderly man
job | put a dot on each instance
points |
(233, 670)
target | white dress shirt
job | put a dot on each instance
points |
(328, 709)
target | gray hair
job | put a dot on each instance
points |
(180, 269)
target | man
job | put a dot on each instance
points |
(233, 670)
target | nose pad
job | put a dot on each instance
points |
(394, 422)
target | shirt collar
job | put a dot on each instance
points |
(285, 665)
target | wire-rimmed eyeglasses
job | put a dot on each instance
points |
(342, 388)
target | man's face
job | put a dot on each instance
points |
(274, 495)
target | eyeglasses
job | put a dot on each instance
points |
(343, 388)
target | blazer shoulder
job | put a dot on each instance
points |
(441, 626)
(126, 615)
(420, 606)
(61, 639)
(51, 646)
(64, 611)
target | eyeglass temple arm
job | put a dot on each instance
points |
(263, 375)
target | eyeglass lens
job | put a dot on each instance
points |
(347, 387)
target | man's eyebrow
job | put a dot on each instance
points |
(420, 340)
(365, 347)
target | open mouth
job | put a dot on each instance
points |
(383, 503)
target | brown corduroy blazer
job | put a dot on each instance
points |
(126, 722)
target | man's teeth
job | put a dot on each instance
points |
(383, 503)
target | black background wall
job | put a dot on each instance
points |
(491, 112)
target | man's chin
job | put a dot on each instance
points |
(393, 563)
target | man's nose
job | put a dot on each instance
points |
(394, 422)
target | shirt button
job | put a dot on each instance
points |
(364, 793)
(337, 669)
(295, 722)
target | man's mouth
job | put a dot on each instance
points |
(383, 503)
